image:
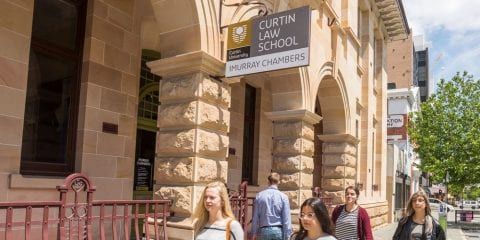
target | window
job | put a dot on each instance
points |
(422, 84)
(249, 134)
(49, 129)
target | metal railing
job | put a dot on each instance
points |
(77, 216)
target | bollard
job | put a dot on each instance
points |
(442, 216)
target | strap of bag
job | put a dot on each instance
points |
(227, 230)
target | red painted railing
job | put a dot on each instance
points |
(77, 216)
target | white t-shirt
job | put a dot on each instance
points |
(217, 232)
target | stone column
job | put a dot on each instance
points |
(339, 165)
(193, 121)
(293, 147)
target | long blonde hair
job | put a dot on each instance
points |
(428, 218)
(201, 214)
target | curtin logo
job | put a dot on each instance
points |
(239, 33)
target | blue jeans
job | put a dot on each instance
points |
(270, 233)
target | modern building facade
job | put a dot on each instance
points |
(131, 93)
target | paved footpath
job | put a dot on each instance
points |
(386, 232)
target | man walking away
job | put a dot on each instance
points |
(271, 220)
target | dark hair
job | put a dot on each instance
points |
(355, 189)
(321, 213)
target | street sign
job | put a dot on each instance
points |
(262, 44)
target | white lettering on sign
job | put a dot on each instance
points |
(276, 22)
(395, 121)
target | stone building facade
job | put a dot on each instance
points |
(320, 125)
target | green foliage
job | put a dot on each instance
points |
(446, 132)
(472, 193)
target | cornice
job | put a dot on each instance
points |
(342, 137)
(192, 62)
(300, 114)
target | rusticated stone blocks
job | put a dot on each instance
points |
(293, 146)
(339, 159)
(177, 114)
(339, 147)
(181, 196)
(338, 172)
(180, 87)
(209, 170)
(297, 197)
(191, 141)
(172, 143)
(294, 129)
(296, 181)
(293, 164)
(174, 170)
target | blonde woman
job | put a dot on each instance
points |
(214, 215)
(419, 223)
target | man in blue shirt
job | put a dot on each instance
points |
(271, 219)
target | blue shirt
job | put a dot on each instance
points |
(272, 209)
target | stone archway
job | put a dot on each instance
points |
(336, 146)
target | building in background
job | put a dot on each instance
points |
(408, 85)
(421, 68)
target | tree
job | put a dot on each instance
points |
(446, 132)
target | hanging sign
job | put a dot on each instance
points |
(273, 42)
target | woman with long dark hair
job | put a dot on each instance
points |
(315, 224)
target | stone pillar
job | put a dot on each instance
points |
(339, 165)
(193, 121)
(293, 147)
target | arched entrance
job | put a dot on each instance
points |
(335, 149)
(146, 128)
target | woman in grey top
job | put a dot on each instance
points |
(315, 224)
(214, 216)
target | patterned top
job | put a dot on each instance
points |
(346, 226)
(417, 231)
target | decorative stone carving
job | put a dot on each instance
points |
(174, 170)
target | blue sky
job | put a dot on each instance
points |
(451, 29)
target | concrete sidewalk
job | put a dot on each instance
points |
(454, 232)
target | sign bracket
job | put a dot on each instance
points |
(261, 12)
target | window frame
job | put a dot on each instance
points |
(49, 49)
